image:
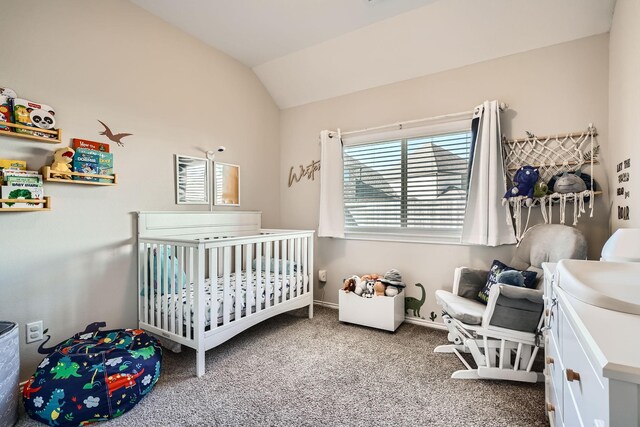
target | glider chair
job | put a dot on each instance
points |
(504, 336)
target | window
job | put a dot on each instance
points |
(407, 185)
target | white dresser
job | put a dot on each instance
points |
(592, 361)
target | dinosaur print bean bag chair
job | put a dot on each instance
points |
(93, 376)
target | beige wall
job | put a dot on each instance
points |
(113, 61)
(624, 108)
(558, 89)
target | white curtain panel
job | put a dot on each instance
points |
(331, 182)
(486, 221)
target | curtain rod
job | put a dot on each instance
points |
(400, 125)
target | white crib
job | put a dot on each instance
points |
(204, 277)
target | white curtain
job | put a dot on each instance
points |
(331, 181)
(486, 221)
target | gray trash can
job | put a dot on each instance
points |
(9, 371)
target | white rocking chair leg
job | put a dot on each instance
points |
(450, 348)
(454, 335)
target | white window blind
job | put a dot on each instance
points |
(412, 185)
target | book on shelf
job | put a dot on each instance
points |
(86, 161)
(91, 145)
(18, 192)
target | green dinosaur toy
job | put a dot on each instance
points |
(414, 304)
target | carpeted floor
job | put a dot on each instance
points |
(292, 371)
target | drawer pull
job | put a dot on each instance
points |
(550, 360)
(551, 407)
(572, 375)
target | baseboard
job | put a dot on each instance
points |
(325, 304)
(413, 320)
(425, 323)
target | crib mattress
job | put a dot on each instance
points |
(188, 295)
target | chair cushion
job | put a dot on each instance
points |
(512, 276)
(463, 309)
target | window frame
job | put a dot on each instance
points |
(441, 126)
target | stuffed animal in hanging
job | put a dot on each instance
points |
(62, 158)
(541, 188)
(570, 182)
(524, 182)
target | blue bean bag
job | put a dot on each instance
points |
(93, 377)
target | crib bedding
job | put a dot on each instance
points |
(275, 283)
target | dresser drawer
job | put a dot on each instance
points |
(555, 374)
(553, 407)
(587, 389)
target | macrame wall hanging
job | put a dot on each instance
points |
(552, 156)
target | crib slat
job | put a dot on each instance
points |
(238, 281)
(226, 306)
(267, 275)
(175, 292)
(213, 287)
(310, 264)
(168, 270)
(248, 302)
(304, 266)
(259, 277)
(144, 314)
(291, 262)
(277, 282)
(188, 306)
(299, 266)
(156, 284)
(179, 312)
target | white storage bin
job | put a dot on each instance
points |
(378, 312)
(9, 369)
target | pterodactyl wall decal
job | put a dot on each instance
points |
(115, 138)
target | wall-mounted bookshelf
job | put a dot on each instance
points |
(56, 132)
(47, 176)
(46, 201)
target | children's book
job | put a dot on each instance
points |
(24, 180)
(13, 192)
(105, 166)
(86, 161)
(92, 145)
(34, 115)
(11, 164)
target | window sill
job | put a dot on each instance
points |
(406, 238)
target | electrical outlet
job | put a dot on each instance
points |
(322, 275)
(34, 331)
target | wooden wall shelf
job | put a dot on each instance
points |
(46, 175)
(46, 201)
(56, 132)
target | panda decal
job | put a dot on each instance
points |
(42, 118)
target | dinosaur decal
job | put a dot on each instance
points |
(117, 381)
(65, 369)
(117, 138)
(414, 304)
(27, 389)
(53, 408)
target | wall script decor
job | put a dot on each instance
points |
(622, 192)
(309, 171)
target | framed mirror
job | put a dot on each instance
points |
(226, 184)
(192, 180)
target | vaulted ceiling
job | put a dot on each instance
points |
(309, 50)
